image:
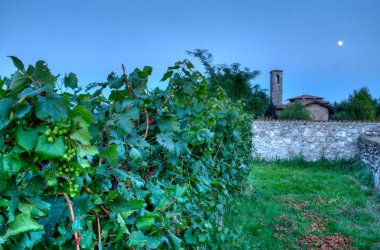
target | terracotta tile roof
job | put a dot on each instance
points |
(305, 97)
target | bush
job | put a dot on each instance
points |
(295, 111)
(138, 169)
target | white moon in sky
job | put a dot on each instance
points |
(340, 43)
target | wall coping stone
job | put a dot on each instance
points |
(309, 121)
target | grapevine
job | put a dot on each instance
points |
(116, 165)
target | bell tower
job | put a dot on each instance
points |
(276, 77)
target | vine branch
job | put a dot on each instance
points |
(147, 123)
(217, 151)
(99, 231)
(100, 205)
(167, 99)
(70, 205)
(169, 205)
(129, 85)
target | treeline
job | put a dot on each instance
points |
(359, 106)
(237, 80)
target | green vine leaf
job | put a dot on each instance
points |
(50, 150)
(42, 75)
(138, 239)
(52, 108)
(82, 112)
(21, 109)
(27, 138)
(83, 136)
(71, 81)
(17, 63)
(12, 163)
(18, 80)
(5, 108)
(23, 224)
(110, 154)
(146, 222)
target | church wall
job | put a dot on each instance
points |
(318, 112)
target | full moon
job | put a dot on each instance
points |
(340, 43)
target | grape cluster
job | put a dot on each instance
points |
(70, 169)
(67, 168)
(57, 131)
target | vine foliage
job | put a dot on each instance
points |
(137, 169)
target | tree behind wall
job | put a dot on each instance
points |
(235, 81)
(295, 111)
(376, 103)
(360, 105)
(340, 111)
(271, 111)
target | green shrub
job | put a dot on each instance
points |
(141, 169)
(294, 111)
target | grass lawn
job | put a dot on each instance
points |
(299, 205)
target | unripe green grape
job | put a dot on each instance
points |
(60, 172)
(72, 195)
(65, 131)
(48, 132)
(50, 139)
(65, 156)
(60, 169)
(77, 174)
(72, 169)
(54, 132)
(60, 132)
(76, 186)
(67, 170)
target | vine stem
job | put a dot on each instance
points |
(168, 206)
(99, 231)
(167, 99)
(100, 205)
(129, 85)
(70, 205)
(147, 123)
(217, 151)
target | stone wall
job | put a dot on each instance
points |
(369, 152)
(276, 139)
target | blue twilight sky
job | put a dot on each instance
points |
(93, 38)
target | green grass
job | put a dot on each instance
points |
(330, 204)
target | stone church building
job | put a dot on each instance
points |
(318, 108)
